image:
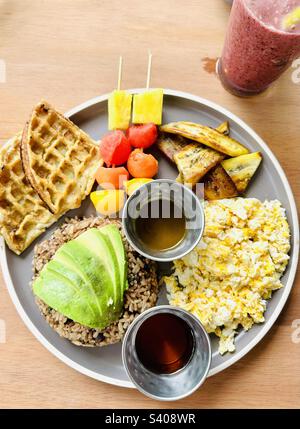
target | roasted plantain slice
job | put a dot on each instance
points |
(242, 168)
(219, 185)
(207, 136)
(194, 161)
(224, 128)
(171, 144)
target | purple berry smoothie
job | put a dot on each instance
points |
(257, 49)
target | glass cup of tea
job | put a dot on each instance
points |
(166, 353)
(262, 41)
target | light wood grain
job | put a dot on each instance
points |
(67, 52)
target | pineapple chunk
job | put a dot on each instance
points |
(119, 110)
(242, 168)
(108, 202)
(147, 107)
(132, 185)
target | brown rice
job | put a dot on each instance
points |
(140, 295)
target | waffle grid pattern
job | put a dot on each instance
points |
(61, 160)
(20, 205)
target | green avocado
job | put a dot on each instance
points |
(113, 234)
(87, 277)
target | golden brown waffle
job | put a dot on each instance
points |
(23, 215)
(59, 159)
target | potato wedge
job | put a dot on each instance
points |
(224, 128)
(219, 185)
(242, 168)
(207, 136)
(194, 161)
(171, 144)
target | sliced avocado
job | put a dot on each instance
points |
(112, 232)
(64, 291)
(82, 281)
(92, 240)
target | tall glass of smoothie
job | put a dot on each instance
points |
(263, 39)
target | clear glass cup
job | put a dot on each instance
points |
(258, 48)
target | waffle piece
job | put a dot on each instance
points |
(59, 159)
(23, 215)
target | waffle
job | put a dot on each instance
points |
(23, 215)
(59, 159)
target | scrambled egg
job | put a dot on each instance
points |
(226, 280)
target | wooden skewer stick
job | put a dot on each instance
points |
(120, 72)
(149, 70)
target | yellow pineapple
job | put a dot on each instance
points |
(147, 107)
(119, 110)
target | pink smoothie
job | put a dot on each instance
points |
(257, 49)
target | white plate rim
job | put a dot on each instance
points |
(286, 291)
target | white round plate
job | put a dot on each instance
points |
(270, 182)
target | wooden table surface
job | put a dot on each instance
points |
(66, 52)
